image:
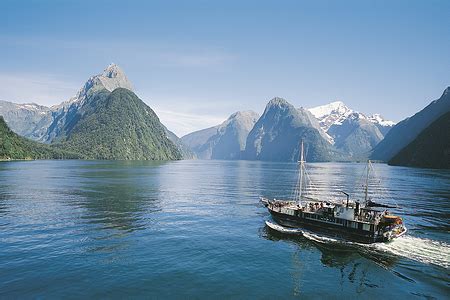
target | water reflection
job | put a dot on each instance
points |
(350, 260)
(120, 196)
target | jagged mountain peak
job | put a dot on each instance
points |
(224, 141)
(331, 114)
(354, 115)
(336, 107)
(276, 134)
(446, 91)
(245, 119)
(350, 130)
(110, 79)
(378, 119)
(277, 101)
(113, 71)
(244, 114)
(279, 106)
(335, 113)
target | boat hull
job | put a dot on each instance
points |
(350, 234)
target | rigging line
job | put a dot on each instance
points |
(310, 180)
(361, 182)
(385, 190)
(376, 183)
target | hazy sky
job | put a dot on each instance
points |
(196, 62)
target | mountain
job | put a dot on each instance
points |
(331, 114)
(195, 140)
(112, 78)
(13, 146)
(52, 124)
(277, 134)
(116, 125)
(309, 119)
(185, 151)
(355, 135)
(44, 124)
(430, 149)
(407, 130)
(29, 120)
(382, 124)
(336, 112)
(351, 131)
(225, 141)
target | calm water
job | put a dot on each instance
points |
(195, 229)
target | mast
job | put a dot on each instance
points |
(302, 167)
(367, 182)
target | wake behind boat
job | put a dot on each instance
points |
(363, 222)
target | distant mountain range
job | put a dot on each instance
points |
(106, 120)
(335, 132)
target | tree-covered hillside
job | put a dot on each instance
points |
(13, 146)
(117, 125)
(431, 148)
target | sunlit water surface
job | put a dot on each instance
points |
(182, 229)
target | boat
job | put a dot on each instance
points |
(363, 221)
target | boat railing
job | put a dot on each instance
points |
(368, 216)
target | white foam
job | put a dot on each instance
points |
(283, 229)
(418, 249)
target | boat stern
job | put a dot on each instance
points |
(394, 227)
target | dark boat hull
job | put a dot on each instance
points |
(334, 230)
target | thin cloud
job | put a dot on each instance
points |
(184, 123)
(43, 89)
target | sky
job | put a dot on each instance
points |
(197, 62)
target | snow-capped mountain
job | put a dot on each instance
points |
(378, 119)
(332, 113)
(335, 113)
(383, 125)
(349, 130)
